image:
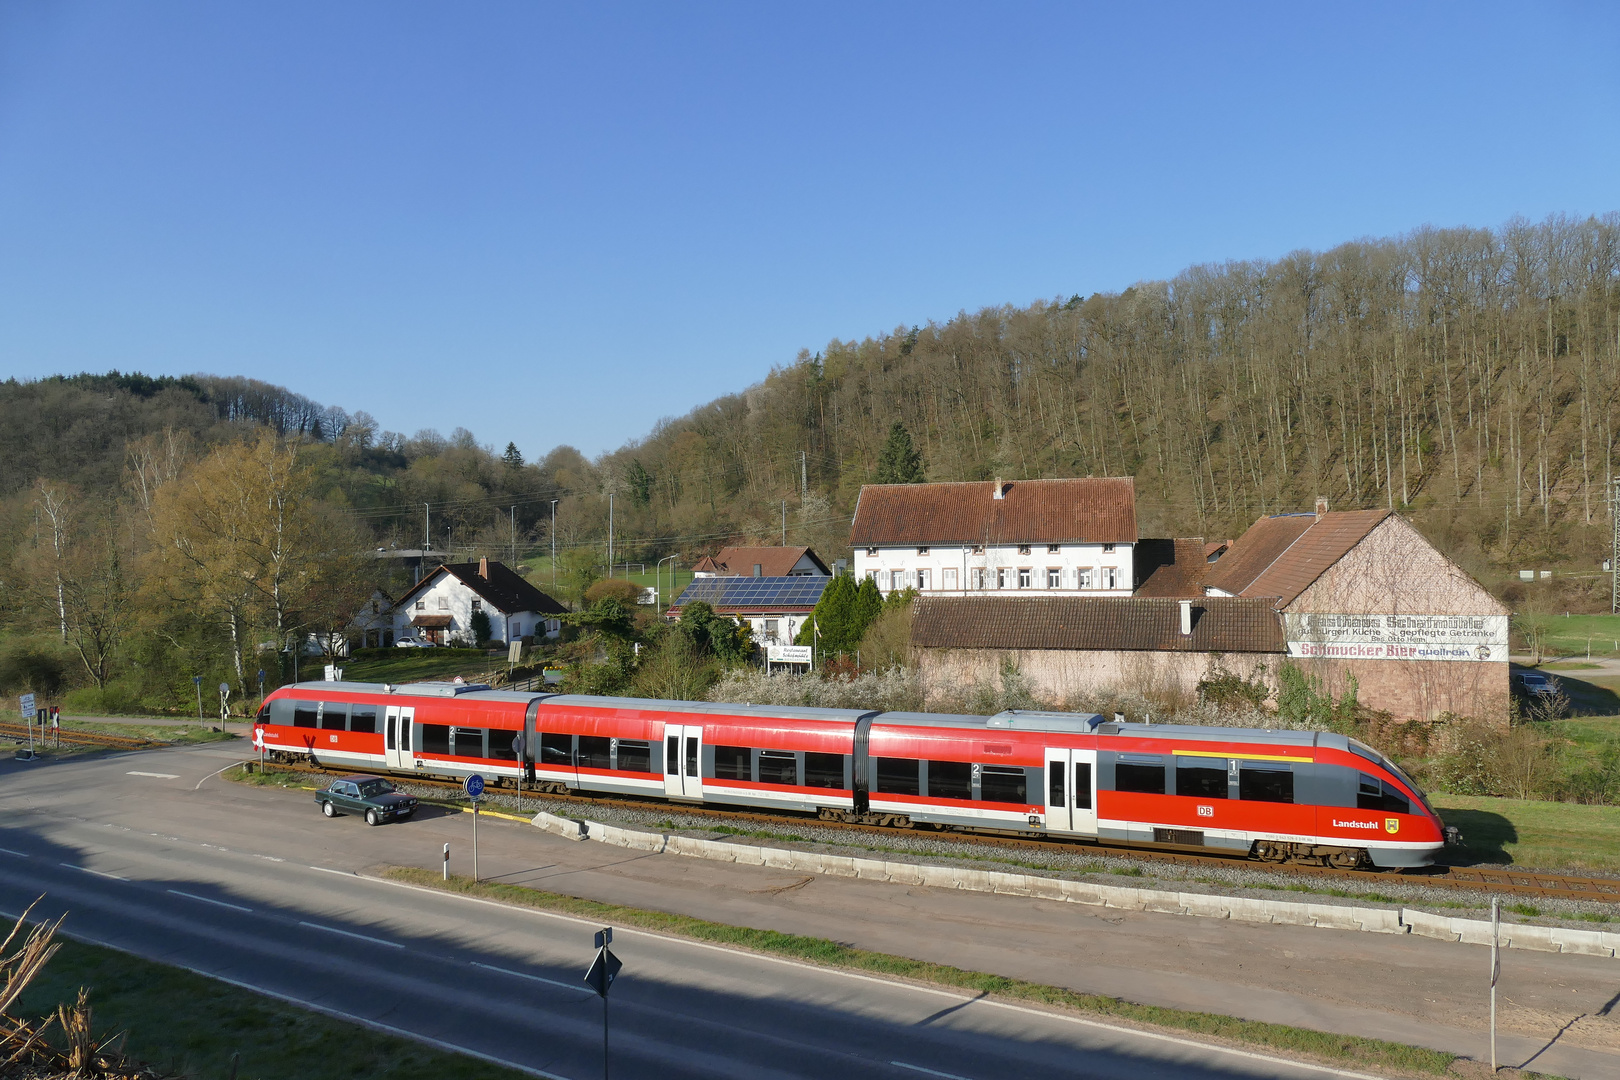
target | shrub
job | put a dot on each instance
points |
(1226, 690)
(625, 592)
(479, 625)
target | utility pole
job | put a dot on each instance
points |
(554, 545)
(427, 534)
(784, 523)
(511, 520)
(610, 534)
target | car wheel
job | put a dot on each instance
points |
(372, 818)
(328, 809)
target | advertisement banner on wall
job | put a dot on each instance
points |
(1478, 638)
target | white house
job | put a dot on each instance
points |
(440, 607)
(761, 562)
(1040, 537)
(775, 608)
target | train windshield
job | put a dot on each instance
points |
(1362, 749)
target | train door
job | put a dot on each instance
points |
(1071, 790)
(683, 754)
(397, 737)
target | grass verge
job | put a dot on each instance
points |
(192, 1024)
(1533, 833)
(1337, 1049)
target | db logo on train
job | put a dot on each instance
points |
(1392, 825)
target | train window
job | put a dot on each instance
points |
(1139, 773)
(898, 776)
(435, 739)
(733, 763)
(1375, 795)
(363, 718)
(334, 716)
(500, 744)
(634, 756)
(595, 752)
(824, 770)
(779, 767)
(1003, 784)
(1082, 785)
(672, 755)
(304, 714)
(950, 780)
(469, 742)
(1054, 783)
(556, 749)
(1265, 783)
(1201, 778)
(691, 755)
(263, 715)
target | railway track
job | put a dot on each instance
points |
(1508, 882)
(72, 737)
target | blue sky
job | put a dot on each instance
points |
(558, 223)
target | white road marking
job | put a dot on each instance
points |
(955, 995)
(216, 772)
(19, 854)
(217, 903)
(155, 775)
(930, 1072)
(98, 873)
(324, 870)
(532, 978)
(351, 933)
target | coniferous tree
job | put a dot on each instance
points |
(830, 623)
(899, 462)
(868, 606)
(513, 456)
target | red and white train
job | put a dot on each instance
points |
(1310, 796)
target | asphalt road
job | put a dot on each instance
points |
(148, 854)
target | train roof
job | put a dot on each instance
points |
(1013, 719)
(778, 712)
(415, 689)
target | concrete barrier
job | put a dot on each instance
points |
(1202, 905)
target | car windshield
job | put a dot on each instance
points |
(372, 788)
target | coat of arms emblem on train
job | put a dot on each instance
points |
(1392, 824)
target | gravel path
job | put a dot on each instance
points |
(1239, 879)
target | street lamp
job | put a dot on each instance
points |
(656, 566)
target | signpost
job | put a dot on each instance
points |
(28, 712)
(224, 703)
(474, 786)
(788, 654)
(196, 680)
(1496, 970)
(603, 970)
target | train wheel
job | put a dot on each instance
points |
(1344, 860)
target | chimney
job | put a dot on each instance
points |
(998, 493)
(483, 567)
(759, 570)
(1321, 507)
(1186, 618)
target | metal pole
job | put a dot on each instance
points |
(610, 534)
(447, 862)
(784, 523)
(1614, 549)
(604, 1033)
(511, 521)
(475, 841)
(427, 534)
(197, 681)
(1496, 968)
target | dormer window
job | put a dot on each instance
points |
(922, 551)
(1023, 549)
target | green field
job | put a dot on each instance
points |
(1572, 635)
(1531, 833)
(416, 665)
(538, 570)
(192, 1025)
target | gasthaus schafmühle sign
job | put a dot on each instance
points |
(1397, 637)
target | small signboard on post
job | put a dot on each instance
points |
(514, 652)
(788, 654)
(28, 709)
(474, 787)
(603, 970)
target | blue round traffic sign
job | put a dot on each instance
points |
(474, 785)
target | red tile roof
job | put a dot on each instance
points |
(1171, 567)
(1092, 510)
(1281, 556)
(773, 561)
(1096, 623)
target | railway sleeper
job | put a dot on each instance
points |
(1277, 851)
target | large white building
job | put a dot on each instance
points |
(1040, 537)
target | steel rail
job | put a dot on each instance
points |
(73, 736)
(1460, 878)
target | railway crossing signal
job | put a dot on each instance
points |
(604, 969)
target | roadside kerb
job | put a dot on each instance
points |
(1204, 905)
